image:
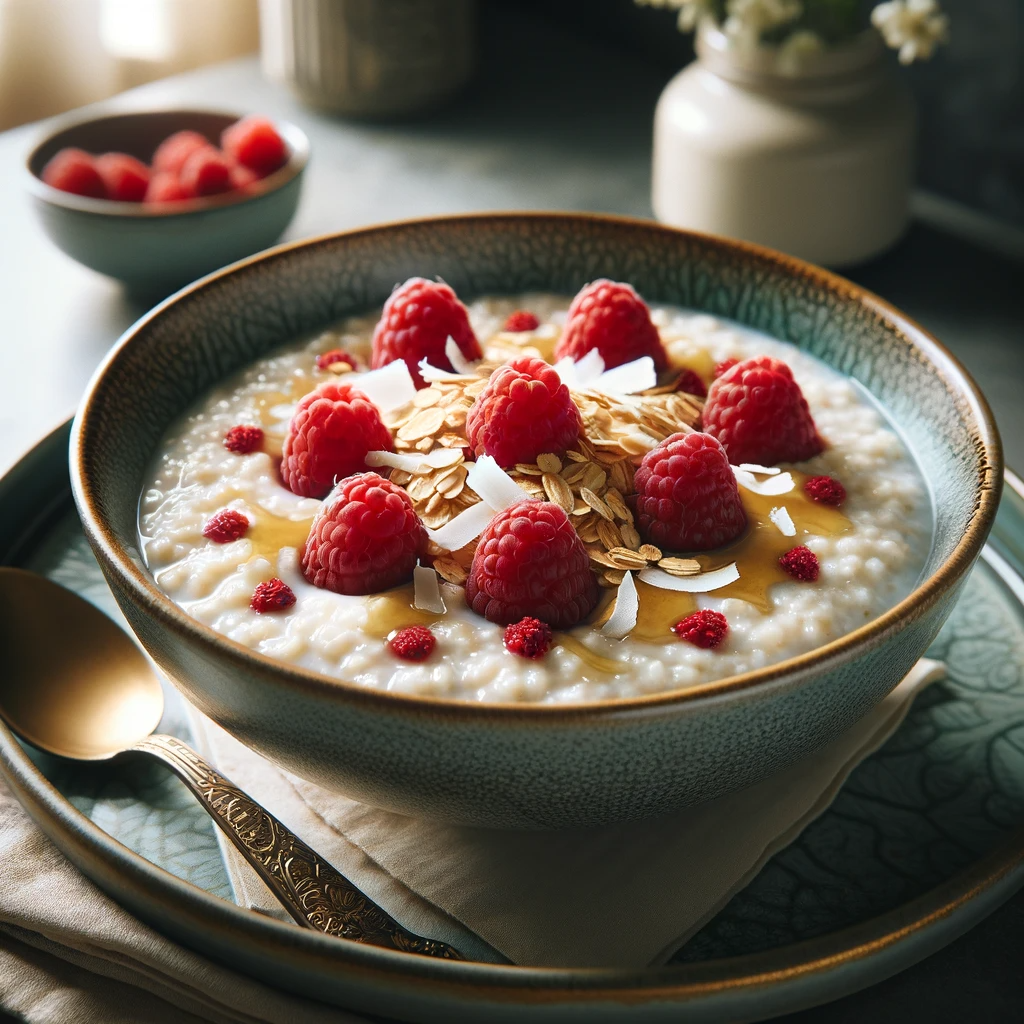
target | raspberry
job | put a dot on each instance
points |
(825, 489)
(801, 563)
(206, 173)
(704, 628)
(612, 318)
(529, 638)
(687, 498)
(125, 178)
(333, 428)
(243, 440)
(692, 384)
(521, 320)
(530, 561)
(164, 187)
(272, 596)
(365, 538)
(172, 153)
(760, 415)
(74, 170)
(524, 410)
(242, 177)
(227, 525)
(416, 322)
(335, 360)
(723, 367)
(255, 143)
(414, 643)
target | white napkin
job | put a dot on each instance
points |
(621, 896)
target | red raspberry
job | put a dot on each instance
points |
(243, 440)
(255, 143)
(243, 177)
(164, 187)
(760, 415)
(723, 367)
(529, 638)
(227, 525)
(530, 561)
(521, 320)
(272, 596)
(704, 628)
(414, 643)
(333, 428)
(612, 318)
(206, 173)
(524, 410)
(825, 489)
(125, 178)
(365, 538)
(416, 322)
(691, 384)
(687, 498)
(172, 153)
(334, 358)
(74, 170)
(801, 563)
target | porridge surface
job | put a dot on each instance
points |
(864, 570)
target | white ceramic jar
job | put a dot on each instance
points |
(815, 160)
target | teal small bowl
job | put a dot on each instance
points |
(158, 249)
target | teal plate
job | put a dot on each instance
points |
(924, 839)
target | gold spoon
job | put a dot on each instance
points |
(72, 683)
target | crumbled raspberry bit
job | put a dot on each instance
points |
(243, 440)
(521, 320)
(826, 490)
(335, 360)
(227, 525)
(692, 384)
(723, 367)
(704, 628)
(272, 596)
(801, 563)
(414, 643)
(529, 638)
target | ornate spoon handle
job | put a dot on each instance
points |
(313, 892)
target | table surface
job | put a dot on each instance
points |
(570, 128)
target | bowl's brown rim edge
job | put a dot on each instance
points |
(791, 670)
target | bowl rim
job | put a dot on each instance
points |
(294, 136)
(160, 607)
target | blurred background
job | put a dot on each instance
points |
(59, 54)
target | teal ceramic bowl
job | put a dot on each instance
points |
(159, 250)
(511, 765)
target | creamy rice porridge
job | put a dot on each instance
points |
(870, 550)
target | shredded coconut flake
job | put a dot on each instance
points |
(781, 484)
(628, 379)
(460, 364)
(388, 388)
(753, 467)
(581, 373)
(627, 605)
(783, 520)
(465, 527)
(431, 373)
(494, 486)
(703, 583)
(427, 596)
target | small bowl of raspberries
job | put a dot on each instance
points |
(156, 199)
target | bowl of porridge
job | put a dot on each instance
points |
(533, 521)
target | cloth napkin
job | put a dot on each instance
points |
(70, 954)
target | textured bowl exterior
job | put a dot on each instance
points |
(524, 766)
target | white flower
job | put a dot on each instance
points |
(747, 20)
(914, 27)
(796, 47)
(690, 11)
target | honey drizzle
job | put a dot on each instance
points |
(269, 533)
(394, 610)
(266, 400)
(586, 655)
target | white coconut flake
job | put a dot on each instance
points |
(427, 591)
(465, 527)
(783, 520)
(580, 374)
(774, 485)
(627, 605)
(753, 467)
(703, 583)
(494, 486)
(628, 378)
(460, 364)
(431, 373)
(388, 388)
(409, 463)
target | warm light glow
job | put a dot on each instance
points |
(136, 29)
